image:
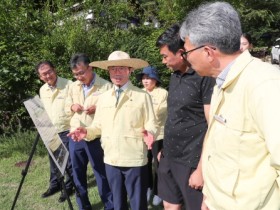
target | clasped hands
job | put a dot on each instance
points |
(78, 134)
(79, 108)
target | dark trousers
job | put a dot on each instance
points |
(152, 155)
(54, 182)
(81, 153)
(131, 181)
(173, 184)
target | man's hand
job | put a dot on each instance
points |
(203, 205)
(77, 108)
(196, 179)
(90, 110)
(78, 134)
(148, 139)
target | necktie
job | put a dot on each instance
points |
(118, 94)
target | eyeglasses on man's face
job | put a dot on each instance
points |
(184, 54)
(118, 68)
(45, 74)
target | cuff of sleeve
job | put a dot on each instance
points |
(90, 134)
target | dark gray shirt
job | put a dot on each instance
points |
(186, 125)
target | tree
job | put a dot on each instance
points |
(18, 51)
(54, 30)
(261, 19)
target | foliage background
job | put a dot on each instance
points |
(35, 30)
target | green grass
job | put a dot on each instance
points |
(16, 149)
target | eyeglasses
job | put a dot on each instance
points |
(184, 54)
(49, 72)
(80, 73)
(118, 68)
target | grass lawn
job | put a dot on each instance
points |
(36, 181)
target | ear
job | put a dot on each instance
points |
(180, 51)
(210, 53)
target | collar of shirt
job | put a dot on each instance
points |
(188, 71)
(222, 76)
(124, 87)
(87, 88)
(52, 88)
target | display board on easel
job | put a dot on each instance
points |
(47, 132)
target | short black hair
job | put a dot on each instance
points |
(171, 39)
(41, 63)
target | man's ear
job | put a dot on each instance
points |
(180, 51)
(210, 53)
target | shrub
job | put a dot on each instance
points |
(20, 142)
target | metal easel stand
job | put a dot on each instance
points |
(25, 170)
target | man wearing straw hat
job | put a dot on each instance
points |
(126, 121)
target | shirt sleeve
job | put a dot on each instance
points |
(94, 130)
(207, 85)
(150, 123)
(69, 101)
(264, 105)
(162, 109)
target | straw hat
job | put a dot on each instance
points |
(120, 58)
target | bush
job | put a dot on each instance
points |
(54, 30)
(20, 142)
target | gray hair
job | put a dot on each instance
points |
(78, 59)
(216, 24)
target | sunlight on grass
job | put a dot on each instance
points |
(36, 181)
